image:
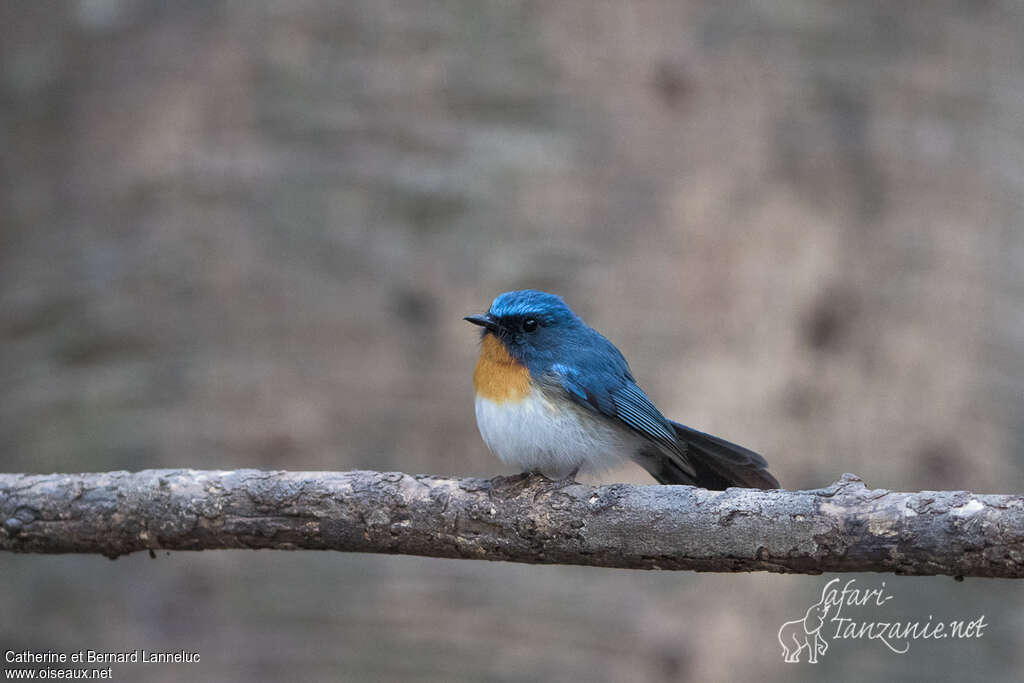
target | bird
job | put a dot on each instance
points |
(555, 396)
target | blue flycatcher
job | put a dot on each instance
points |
(554, 395)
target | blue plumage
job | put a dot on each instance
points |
(567, 360)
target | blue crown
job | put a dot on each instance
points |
(530, 302)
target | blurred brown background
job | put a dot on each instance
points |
(243, 234)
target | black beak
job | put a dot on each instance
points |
(487, 321)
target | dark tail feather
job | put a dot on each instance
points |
(719, 464)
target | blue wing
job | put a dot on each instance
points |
(616, 395)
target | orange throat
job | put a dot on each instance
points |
(499, 377)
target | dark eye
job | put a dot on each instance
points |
(529, 325)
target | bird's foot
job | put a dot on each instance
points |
(515, 482)
(552, 485)
(567, 479)
(532, 479)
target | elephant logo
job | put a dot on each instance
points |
(805, 634)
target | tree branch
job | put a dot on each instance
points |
(843, 528)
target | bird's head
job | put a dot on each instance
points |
(531, 325)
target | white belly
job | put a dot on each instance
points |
(536, 433)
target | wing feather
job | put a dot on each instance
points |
(619, 397)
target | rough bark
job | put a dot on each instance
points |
(843, 528)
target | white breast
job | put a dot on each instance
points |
(554, 437)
